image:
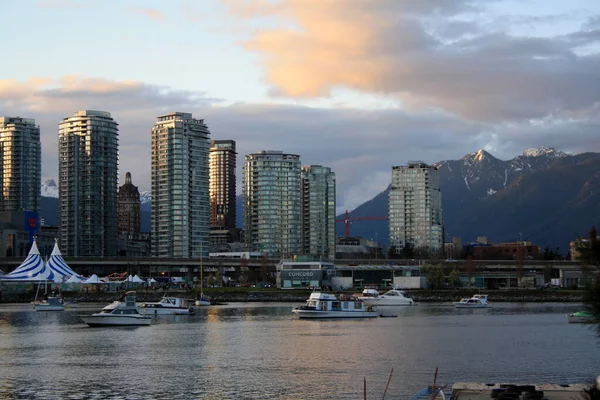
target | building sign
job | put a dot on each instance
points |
(302, 275)
(31, 224)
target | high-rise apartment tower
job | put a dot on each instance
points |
(20, 164)
(271, 185)
(222, 184)
(129, 207)
(318, 212)
(180, 186)
(415, 208)
(88, 167)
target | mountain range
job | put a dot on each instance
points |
(543, 195)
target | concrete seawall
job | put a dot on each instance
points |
(226, 295)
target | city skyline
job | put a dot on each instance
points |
(359, 87)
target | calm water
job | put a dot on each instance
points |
(262, 351)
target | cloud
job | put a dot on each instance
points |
(151, 13)
(450, 55)
(359, 145)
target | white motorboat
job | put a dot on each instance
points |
(393, 297)
(324, 305)
(477, 301)
(167, 306)
(123, 312)
(53, 303)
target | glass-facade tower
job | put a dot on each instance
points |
(20, 164)
(180, 186)
(415, 208)
(317, 224)
(222, 184)
(88, 167)
(271, 189)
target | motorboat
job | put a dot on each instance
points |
(429, 393)
(393, 297)
(477, 301)
(581, 317)
(167, 306)
(325, 305)
(123, 312)
(52, 303)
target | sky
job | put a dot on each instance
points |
(355, 85)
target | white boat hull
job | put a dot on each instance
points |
(386, 302)
(116, 320)
(459, 305)
(202, 303)
(334, 314)
(164, 311)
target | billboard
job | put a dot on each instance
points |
(32, 224)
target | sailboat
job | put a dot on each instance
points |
(202, 301)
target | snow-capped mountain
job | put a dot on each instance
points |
(145, 198)
(483, 174)
(49, 188)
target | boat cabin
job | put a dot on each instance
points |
(329, 302)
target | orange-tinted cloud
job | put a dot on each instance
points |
(150, 13)
(418, 51)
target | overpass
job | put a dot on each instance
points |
(180, 267)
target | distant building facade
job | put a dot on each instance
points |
(317, 224)
(129, 207)
(88, 167)
(180, 186)
(520, 250)
(415, 208)
(271, 186)
(222, 184)
(20, 164)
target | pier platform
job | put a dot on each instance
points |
(506, 391)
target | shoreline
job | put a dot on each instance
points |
(226, 295)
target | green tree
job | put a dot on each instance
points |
(453, 279)
(434, 274)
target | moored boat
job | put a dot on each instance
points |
(581, 317)
(393, 297)
(123, 312)
(52, 303)
(167, 306)
(429, 393)
(477, 301)
(325, 305)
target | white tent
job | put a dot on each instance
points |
(60, 268)
(93, 279)
(151, 280)
(75, 279)
(136, 279)
(31, 269)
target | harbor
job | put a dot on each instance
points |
(262, 350)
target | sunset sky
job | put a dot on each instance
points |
(355, 85)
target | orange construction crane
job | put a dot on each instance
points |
(347, 221)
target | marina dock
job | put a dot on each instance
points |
(486, 391)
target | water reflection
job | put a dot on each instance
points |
(261, 350)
